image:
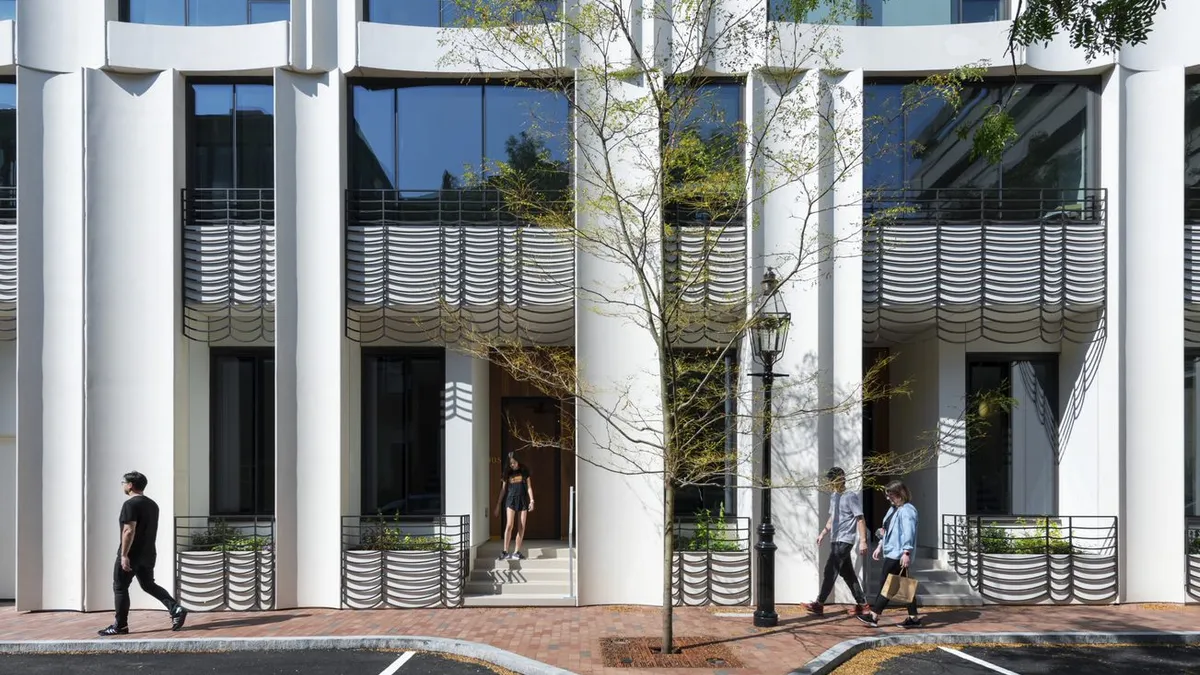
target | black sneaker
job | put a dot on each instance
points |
(815, 608)
(503, 555)
(113, 630)
(868, 620)
(911, 622)
(178, 617)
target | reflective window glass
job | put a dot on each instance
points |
(204, 12)
(8, 134)
(232, 136)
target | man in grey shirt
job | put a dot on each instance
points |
(845, 527)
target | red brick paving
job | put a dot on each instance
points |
(570, 637)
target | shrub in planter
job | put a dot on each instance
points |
(223, 566)
(1044, 538)
(221, 536)
(1194, 546)
(711, 534)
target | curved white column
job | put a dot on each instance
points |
(619, 515)
(1152, 332)
(131, 301)
(310, 374)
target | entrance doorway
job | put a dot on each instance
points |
(531, 428)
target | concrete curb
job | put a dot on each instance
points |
(474, 650)
(838, 654)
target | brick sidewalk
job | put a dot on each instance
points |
(569, 637)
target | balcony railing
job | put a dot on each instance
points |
(8, 263)
(405, 561)
(229, 264)
(428, 265)
(225, 564)
(1036, 559)
(712, 561)
(1192, 560)
(1191, 267)
(705, 264)
(1009, 265)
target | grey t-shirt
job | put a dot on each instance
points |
(846, 508)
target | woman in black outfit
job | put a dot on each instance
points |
(516, 493)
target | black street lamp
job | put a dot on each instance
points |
(768, 337)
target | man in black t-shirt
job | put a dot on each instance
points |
(136, 556)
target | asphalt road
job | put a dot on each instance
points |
(241, 663)
(1047, 660)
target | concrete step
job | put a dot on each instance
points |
(530, 588)
(548, 600)
(521, 576)
(532, 550)
(490, 563)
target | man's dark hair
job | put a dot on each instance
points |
(137, 480)
(835, 473)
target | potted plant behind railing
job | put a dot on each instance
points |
(389, 567)
(1193, 565)
(224, 567)
(712, 564)
(1037, 562)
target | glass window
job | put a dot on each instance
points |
(242, 478)
(1191, 142)
(232, 136)
(706, 415)
(446, 136)
(8, 134)
(403, 433)
(436, 13)
(917, 145)
(892, 12)
(204, 12)
(1191, 443)
(8, 10)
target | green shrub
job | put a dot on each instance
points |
(711, 534)
(1194, 545)
(1045, 537)
(221, 536)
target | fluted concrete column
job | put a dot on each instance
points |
(466, 469)
(1151, 325)
(310, 348)
(131, 308)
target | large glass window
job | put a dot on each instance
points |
(706, 387)
(8, 10)
(204, 12)
(892, 12)
(8, 134)
(438, 13)
(232, 133)
(242, 477)
(917, 145)
(446, 136)
(710, 112)
(403, 432)
(1191, 444)
(1191, 143)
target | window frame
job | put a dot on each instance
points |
(732, 388)
(125, 9)
(259, 355)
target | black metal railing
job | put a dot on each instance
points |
(229, 264)
(8, 263)
(225, 563)
(1191, 267)
(427, 265)
(1034, 559)
(405, 561)
(1192, 544)
(1007, 265)
(712, 561)
(704, 266)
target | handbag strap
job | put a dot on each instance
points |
(903, 571)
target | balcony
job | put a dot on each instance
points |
(705, 265)
(1191, 268)
(427, 266)
(8, 263)
(1008, 265)
(229, 265)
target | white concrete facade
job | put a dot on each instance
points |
(101, 379)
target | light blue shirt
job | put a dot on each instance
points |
(901, 534)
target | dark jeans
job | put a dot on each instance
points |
(143, 571)
(890, 566)
(840, 563)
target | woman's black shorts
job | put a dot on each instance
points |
(516, 501)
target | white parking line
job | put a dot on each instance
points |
(390, 670)
(979, 662)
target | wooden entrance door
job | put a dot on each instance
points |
(524, 422)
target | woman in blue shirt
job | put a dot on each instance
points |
(897, 545)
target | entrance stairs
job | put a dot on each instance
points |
(542, 579)
(938, 585)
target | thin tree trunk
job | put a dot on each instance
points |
(668, 606)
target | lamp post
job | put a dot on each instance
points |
(768, 336)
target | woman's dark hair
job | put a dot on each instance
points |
(898, 488)
(508, 469)
(137, 480)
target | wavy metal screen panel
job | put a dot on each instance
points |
(705, 263)
(229, 264)
(8, 263)
(1005, 265)
(1191, 268)
(423, 265)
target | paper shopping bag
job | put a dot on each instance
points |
(900, 588)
